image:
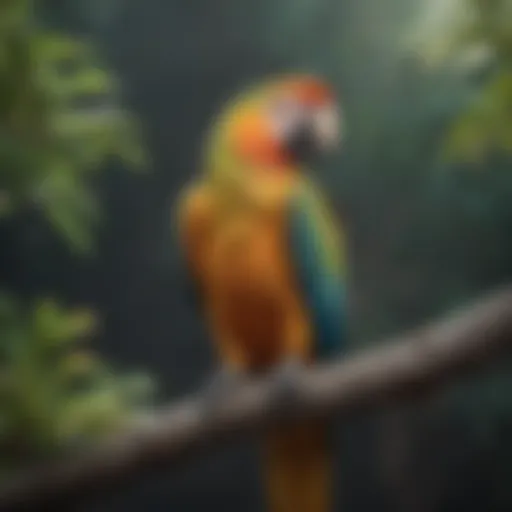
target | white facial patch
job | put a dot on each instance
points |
(286, 115)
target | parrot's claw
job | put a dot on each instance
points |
(223, 383)
(286, 379)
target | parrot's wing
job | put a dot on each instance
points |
(317, 253)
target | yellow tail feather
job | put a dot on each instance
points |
(298, 469)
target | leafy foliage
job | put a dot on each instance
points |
(487, 124)
(59, 123)
(55, 394)
(478, 34)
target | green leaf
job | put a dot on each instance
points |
(92, 413)
(52, 48)
(79, 365)
(54, 327)
(87, 81)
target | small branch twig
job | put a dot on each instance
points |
(400, 369)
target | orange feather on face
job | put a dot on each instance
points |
(252, 138)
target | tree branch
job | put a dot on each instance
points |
(400, 369)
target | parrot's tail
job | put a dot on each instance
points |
(298, 469)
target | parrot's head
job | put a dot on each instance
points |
(278, 126)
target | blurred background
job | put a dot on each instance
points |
(103, 107)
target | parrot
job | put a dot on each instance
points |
(266, 257)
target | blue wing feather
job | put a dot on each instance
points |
(319, 267)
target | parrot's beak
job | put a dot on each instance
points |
(326, 127)
(317, 134)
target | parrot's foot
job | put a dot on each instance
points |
(287, 381)
(223, 383)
